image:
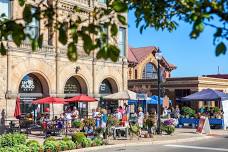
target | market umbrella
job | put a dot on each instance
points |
(50, 100)
(206, 95)
(17, 112)
(80, 98)
(154, 100)
(122, 95)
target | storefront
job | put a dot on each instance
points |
(75, 85)
(108, 86)
(32, 87)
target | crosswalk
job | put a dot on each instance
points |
(196, 147)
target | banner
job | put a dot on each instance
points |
(203, 126)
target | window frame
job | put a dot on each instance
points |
(9, 13)
(122, 44)
(146, 74)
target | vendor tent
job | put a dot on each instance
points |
(206, 95)
(122, 95)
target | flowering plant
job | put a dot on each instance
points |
(168, 126)
(169, 122)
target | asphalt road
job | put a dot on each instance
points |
(216, 144)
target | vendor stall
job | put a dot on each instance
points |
(215, 116)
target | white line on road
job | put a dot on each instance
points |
(197, 147)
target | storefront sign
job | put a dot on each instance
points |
(71, 88)
(204, 125)
(27, 85)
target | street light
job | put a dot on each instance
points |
(158, 57)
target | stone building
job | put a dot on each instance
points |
(48, 72)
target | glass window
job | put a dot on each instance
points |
(149, 72)
(33, 28)
(102, 1)
(105, 87)
(5, 8)
(122, 41)
(136, 74)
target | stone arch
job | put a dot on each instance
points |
(32, 86)
(43, 80)
(78, 85)
(108, 82)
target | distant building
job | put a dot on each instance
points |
(222, 76)
(143, 65)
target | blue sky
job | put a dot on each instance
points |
(192, 57)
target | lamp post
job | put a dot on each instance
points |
(158, 56)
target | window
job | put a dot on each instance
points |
(33, 28)
(5, 8)
(104, 33)
(102, 1)
(149, 72)
(122, 41)
(136, 74)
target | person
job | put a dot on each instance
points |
(172, 114)
(97, 116)
(104, 118)
(177, 112)
(165, 111)
(118, 114)
(68, 117)
(127, 110)
(74, 114)
(140, 117)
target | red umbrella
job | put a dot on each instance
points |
(50, 100)
(81, 98)
(17, 112)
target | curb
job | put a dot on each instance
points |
(140, 144)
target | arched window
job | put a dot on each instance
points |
(149, 72)
(105, 87)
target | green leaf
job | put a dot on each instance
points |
(63, 33)
(119, 6)
(220, 49)
(34, 43)
(72, 52)
(122, 19)
(2, 15)
(2, 49)
(114, 29)
(218, 33)
(88, 43)
(113, 53)
(27, 14)
(21, 2)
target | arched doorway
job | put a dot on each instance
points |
(76, 85)
(108, 86)
(32, 86)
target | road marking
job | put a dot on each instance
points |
(197, 147)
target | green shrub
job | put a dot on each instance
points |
(134, 129)
(52, 146)
(78, 137)
(49, 139)
(12, 139)
(98, 141)
(168, 129)
(187, 111)
(77, 124)
(34, 146)
(216, 109)
(22, 148)
(71, 145)
(66, 138)
(63, 145)
(8, 149)
(86, 142)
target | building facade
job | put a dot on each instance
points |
(143, 64)
(48, 72)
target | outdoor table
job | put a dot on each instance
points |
(115, 129)
(195, 122)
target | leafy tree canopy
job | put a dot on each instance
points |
(157, 14)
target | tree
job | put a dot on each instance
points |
(158, 14)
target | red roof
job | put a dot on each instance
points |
(136, 55)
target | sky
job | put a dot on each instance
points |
(192, 57)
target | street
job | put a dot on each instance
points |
(215, 144)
